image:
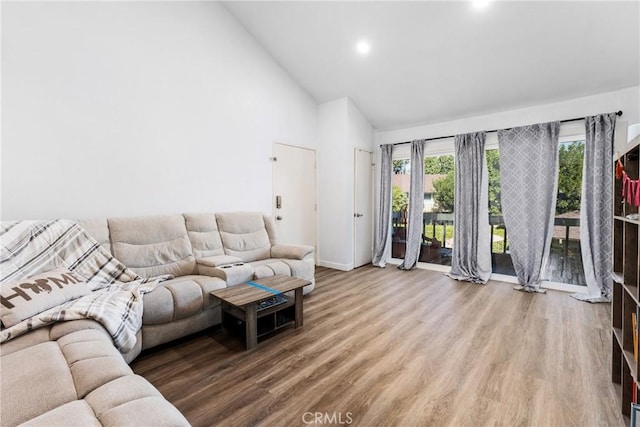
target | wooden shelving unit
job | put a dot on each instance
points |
(626, 262)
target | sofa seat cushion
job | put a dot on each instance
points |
(75, 413)
(42, 368)
(269, 268)
(77, 379)
(131, 400)
(57, 372)
(180, 298)
(304, 269)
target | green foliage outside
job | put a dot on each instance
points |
(570, 159)
(440, 165)
(444, 192)
(493, 173)
(399, 199)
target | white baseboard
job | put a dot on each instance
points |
(335, 265)
(556, 286)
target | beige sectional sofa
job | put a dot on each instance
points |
(70, 373)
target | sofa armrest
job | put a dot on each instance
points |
(291, 251)
(218, 260)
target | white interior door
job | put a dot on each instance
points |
(363, 208)
(294, 201)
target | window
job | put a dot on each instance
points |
(437, 217)
(500, 257)
(400, 182)
(565, 263)
(437, 233)
(565, 258)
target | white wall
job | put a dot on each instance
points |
(136, 108)
(341, 129)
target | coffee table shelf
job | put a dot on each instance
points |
(240, 307)
(269, 320)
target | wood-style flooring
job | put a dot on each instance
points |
(384, 347)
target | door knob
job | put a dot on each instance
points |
(357, 215)
(278, 218)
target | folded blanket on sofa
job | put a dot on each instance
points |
(30, 248)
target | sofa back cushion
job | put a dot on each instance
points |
(244, 235)
(99, 230)
(152, 245)
(203, 234)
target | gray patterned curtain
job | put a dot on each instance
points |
(471, 260)
(416, 207)
(596, 211)
(529, 185)
(384, 210)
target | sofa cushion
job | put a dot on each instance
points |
(180, 298)
(153, 335)
(204, 235)
(92, 360)
(78, 379)
(111, 403)
(27, 297)
(270, 267)
(152, 246)
(244, 235)
(99, 230)
(75, 413)
(149, 411)
(41, 367)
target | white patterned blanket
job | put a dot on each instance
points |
(31, 247)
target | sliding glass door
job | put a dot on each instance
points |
(565, 265)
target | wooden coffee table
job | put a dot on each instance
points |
(240, 306)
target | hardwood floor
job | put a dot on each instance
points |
(384, 347)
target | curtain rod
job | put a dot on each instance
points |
(619, 113)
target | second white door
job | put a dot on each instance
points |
(363, 207)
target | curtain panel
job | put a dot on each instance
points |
(471, 259)
(529, 186)
(596, 207)
(416, 207)
(383, 225)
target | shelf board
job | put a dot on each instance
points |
(630, 221)
(617, 332)
(632, 291)
(269, 310)
(282, 326)
(628, 356)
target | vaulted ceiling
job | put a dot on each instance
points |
(435, 61)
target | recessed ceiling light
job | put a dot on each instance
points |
(363, 47)
(479, 4)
